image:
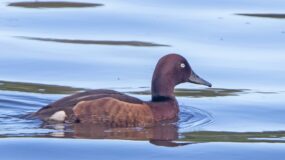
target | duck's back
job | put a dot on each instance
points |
(98, 106)
(72, 100)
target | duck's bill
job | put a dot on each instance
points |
(194, 78)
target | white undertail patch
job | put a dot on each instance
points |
(58, 116)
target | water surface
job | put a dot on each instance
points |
(51, 49)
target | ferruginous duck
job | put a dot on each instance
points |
(112, 108)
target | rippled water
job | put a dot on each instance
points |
(50, 49)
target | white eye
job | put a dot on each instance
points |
(182, 65)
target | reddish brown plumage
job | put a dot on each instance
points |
(111, 111)
(117, 109)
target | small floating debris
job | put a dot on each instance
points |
(97, 42)
(263, 15)
(41, 90)
(53, 4)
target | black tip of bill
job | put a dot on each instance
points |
(194, 78)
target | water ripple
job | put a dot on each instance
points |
(191, 118)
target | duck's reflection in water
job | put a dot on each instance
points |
(161, 135)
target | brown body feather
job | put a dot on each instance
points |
(110, 108)
(68, 103)
(111, 111)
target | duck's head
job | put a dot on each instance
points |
(171, 70)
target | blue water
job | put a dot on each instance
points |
(245, 53)
(113, 149)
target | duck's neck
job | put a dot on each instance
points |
(162, 89)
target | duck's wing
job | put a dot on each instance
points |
(67, 103)
(113, 112)
(92, 95)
